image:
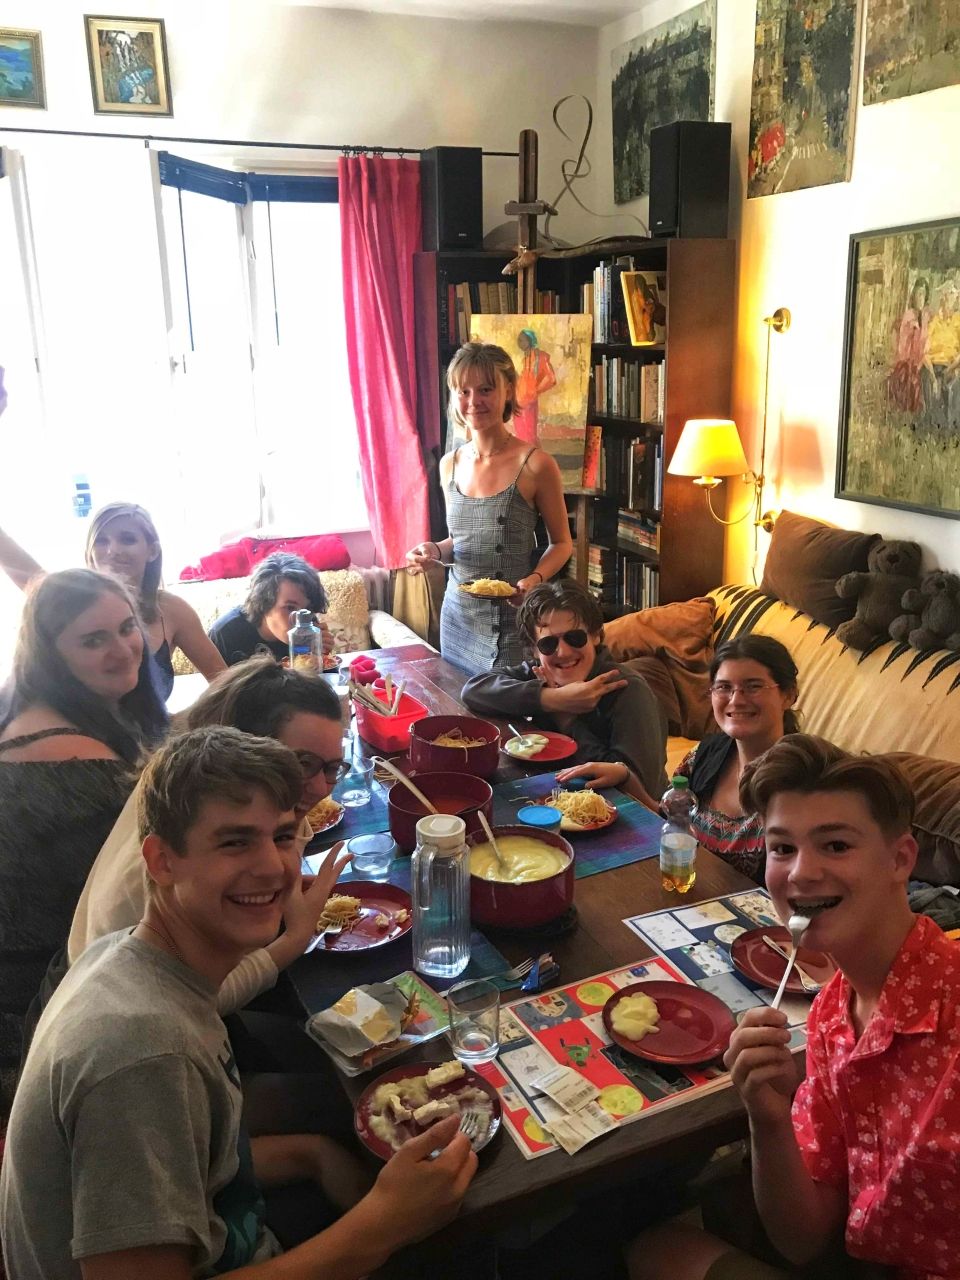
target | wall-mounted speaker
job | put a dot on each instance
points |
(690, 179)
(451, 197)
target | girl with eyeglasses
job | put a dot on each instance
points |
(261, 698)
(571, 684)
(753, 686)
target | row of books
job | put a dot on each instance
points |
(640, 531)
(624, 583)
(460, 302)
(627, 305)
(628, 389)
(631, 472)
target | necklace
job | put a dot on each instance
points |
(165, 938)
(499, 449)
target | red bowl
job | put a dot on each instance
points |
(458, 793)
(481, 761)
(522, 906)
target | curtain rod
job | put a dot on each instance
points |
(236, 142)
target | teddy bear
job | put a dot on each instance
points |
(932, 618)
(892, 569)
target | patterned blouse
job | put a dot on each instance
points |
(737, 840)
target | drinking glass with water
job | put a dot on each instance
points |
(474, 1011)
(373, 854)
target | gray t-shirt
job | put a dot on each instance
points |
(125, 1130)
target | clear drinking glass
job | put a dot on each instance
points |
(474, 1011)
(354, 787)
(373, 854)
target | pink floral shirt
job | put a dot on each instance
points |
(882, 1114)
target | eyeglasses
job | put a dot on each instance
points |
(310, 766)
(724, 689)
(548, 645)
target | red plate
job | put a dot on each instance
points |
(559, 747)
(374, 900)
(380, 1147)
(695, 1026)
(571, 828)
(760, 963)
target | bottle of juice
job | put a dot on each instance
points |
(678, 844)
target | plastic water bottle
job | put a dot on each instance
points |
(440, 883)
(306, 644)
(678, 844)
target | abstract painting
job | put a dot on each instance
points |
(804, 88)
(552, 358)
(21, 69)
(911, 46)
(666, 74)
(128, 66)
(899, 439)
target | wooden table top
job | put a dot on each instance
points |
(506, 1184)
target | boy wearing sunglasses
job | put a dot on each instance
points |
(571, 684)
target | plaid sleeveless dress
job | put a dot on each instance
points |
(492, 538)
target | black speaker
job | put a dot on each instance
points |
(451, 197)
(690, 179)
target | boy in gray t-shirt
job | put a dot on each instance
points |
(125, 1151)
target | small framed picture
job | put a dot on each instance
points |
(128, 66)
(21, 69)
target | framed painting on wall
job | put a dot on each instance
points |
(128, 66)
(663, 75)
(910, 47)
(551, 354)
(900, 394)
(21, 69)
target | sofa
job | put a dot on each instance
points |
(890, 699)
(356, 615)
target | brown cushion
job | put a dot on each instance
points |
(936, 822)
(806, 558)
(680, 636)
(659, 679)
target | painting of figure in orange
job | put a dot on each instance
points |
(536, 376)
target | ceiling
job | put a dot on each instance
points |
(586, 13)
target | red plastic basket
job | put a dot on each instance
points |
(389, 733)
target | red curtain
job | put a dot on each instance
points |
(380, 232)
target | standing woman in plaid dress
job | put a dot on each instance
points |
(495, 488)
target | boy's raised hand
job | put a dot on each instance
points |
(761, 1066)
(581, 696)
(416, 1195)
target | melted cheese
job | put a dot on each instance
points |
(524, 859)
(633, 1017)
(531, 744)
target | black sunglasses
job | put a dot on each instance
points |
(548, 645)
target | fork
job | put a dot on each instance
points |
(518, 971)
(471, 1123)
(808, 983)
(328, 931)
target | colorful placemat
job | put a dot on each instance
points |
(633, 837)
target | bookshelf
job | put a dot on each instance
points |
(694, 367)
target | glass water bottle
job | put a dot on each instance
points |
(440, 881)
(306, 644)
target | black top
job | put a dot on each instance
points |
(237, 639)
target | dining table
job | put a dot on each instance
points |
(507, 1186)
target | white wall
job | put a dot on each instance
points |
(793, 252)
(244, 69)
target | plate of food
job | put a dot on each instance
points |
(673, 1022)
(539, 746)
(488, 588)
(370, 914)
(582, 811)
(756, 959)
(402, 1103)
(325, 815)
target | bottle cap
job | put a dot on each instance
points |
(443, 830)
(303, 617)
(540, 815)
(679, 781)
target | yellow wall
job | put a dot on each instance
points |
(793, 252)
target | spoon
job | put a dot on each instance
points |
(516, 733)
(402, 777)
(488, 832)
(798, 925)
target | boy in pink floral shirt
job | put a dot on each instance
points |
(872, 1138)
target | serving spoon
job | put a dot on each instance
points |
(488, 832)
(402, 777)
(798, 925)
